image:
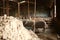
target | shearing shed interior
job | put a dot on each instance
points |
(29, 20)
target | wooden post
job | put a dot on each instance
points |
(18, 9)
(3, 7)
(7, 7)
(34, 13)
(28, 9)
(54, 8)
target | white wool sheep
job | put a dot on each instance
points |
(13, 29)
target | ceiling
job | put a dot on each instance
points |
(13, 4)
(45, 3)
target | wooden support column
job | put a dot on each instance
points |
(18, 9)
(54, 8)
(7, 7)
(28, 9)
(34, 8)
(3, 8)
(34, 14)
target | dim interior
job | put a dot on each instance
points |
(37, 15)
